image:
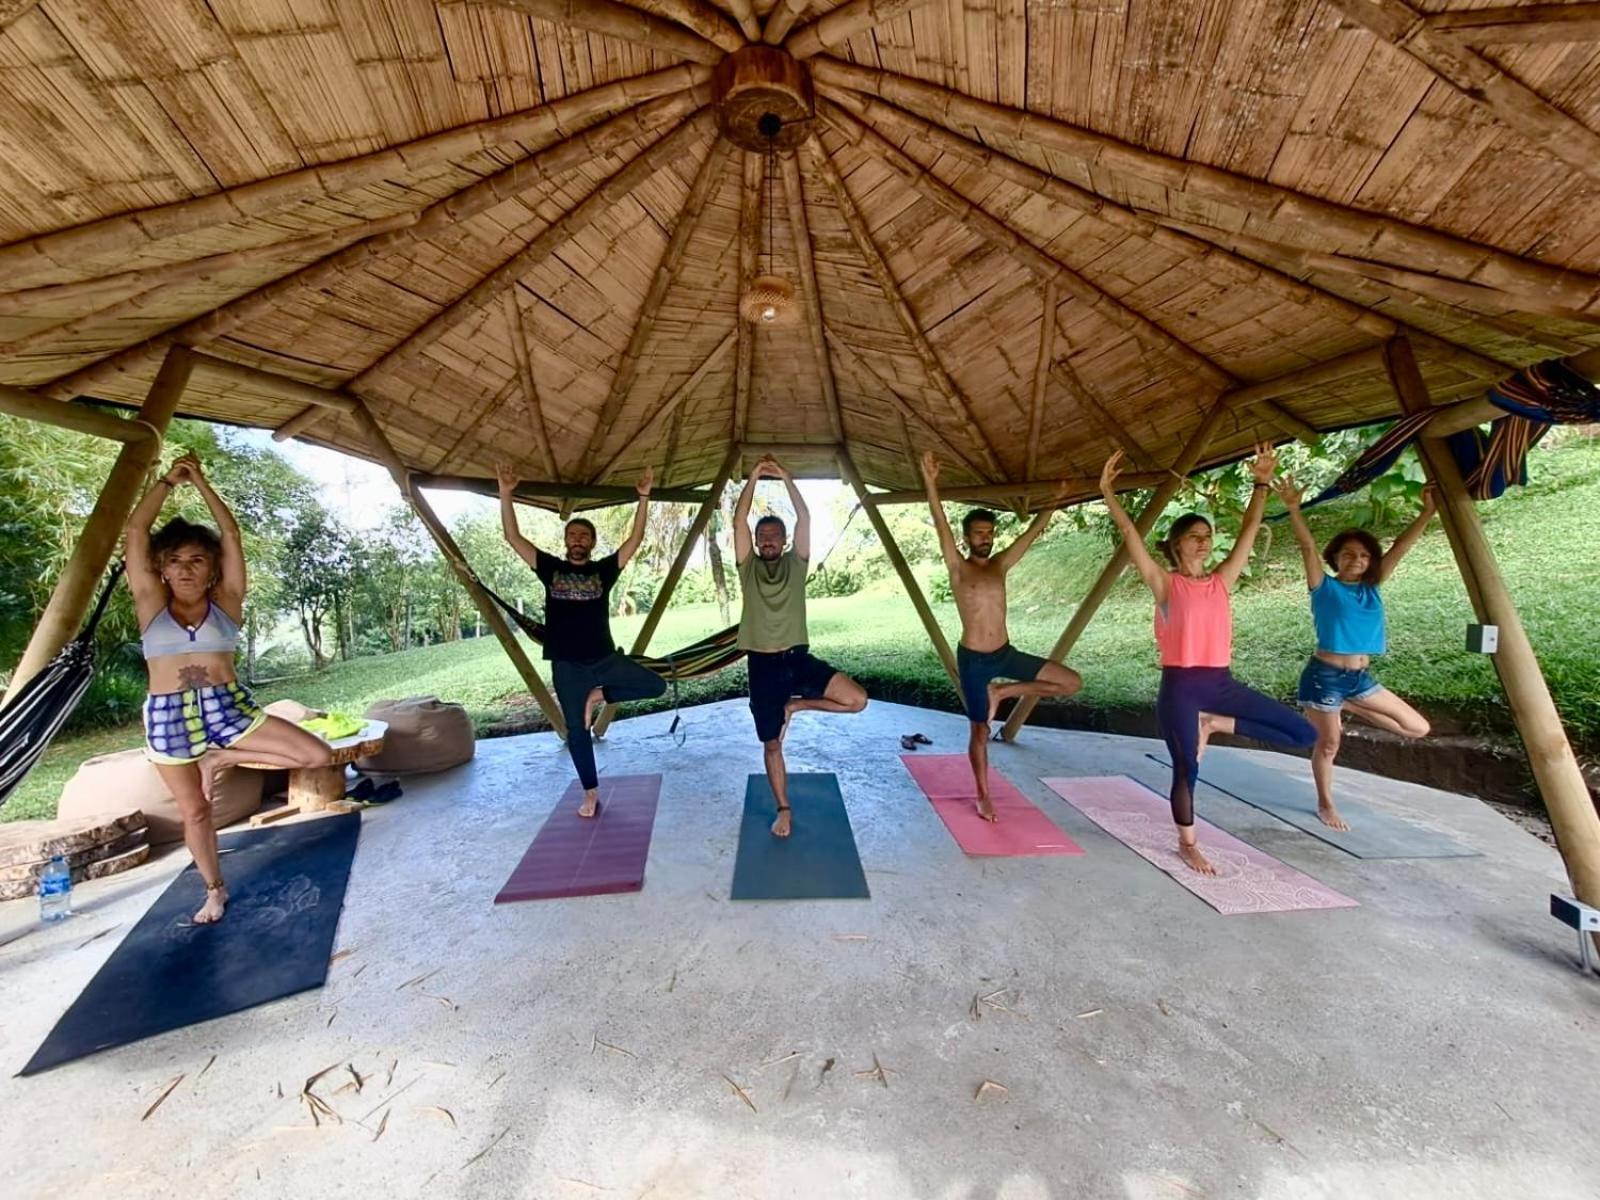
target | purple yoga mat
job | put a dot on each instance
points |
(590, 856)
(1247, 881)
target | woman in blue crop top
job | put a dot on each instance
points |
(1347, 610)
(188, 587)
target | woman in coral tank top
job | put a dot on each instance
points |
(1194, 630)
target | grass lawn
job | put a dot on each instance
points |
(1547, 537)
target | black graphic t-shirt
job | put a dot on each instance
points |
(577, 607)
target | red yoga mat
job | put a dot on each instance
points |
(946, 779)
(1247, 881)
(590, 856)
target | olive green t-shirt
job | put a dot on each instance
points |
(774, 616)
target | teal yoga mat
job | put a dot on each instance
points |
(1293, 799)
(818, 861)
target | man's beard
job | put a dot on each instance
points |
(770, 553)
(577, 554)
(982, 551)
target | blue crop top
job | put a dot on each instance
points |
(216, 634)
(1348, 617)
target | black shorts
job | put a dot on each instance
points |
(978, 670)
(777, 678)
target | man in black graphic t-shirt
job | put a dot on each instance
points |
(586, 666)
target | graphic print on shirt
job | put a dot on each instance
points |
(567, 586)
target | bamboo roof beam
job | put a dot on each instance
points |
(1357, 362)
(10, 10)
(837, 27)
(781, 19)
(1530, 23)
(529, 491)
(130, 233)
(961, 408)
(1089, 404)
(625, 24)
(1324, 223)
(600, 199)
(491, 406)
(517, 333)
(700, 17)
(1509, 101)
(1036, 492)
(80, 418)
(906, 409)
(1002, 236)
(707, 177)
(667, 406)
(571, 152)
(810, 298)
(749, 261)
(744, 13)
(1041, 375)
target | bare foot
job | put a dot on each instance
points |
(208, 779)
(591, 803)
(1208, 725)
(994, 700)
(1194, 860)
(788, 715)
(986, 809)
(1329, 816)
(591, 706)
(781, 827)
(211, 910)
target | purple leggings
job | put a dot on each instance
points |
(1186, 692)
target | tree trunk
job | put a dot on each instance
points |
(250, 649)
(407, 636)
(311, 627)
(340, 641)
(719, 577)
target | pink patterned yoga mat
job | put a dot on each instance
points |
(590, 856)
(946, 779)
(1247, 881)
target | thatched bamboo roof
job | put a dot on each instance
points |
(1023, 232)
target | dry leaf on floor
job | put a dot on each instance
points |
(487, 1148)
(594, 1042)
(1093, 1012)
(877, 1072)
(774, 1062)
(439, 1112)
(990, 1090)
(203, 1070)
(382, 1125)
(424, 977)
(161, 1098)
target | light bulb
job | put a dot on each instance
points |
(769, 313)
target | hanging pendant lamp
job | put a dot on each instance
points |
(769, 300)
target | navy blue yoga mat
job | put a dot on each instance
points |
(285, 885)
(1293, 799)
(818, 861)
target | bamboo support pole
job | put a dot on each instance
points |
(1510, 102)
(1041, 376)
(1555, 768)
(625, 24)
(906, 409)
(64, 414)
(492, 616)
(128, 234)
(75, 587)
(705, 182)
(1291, 216)
(836, 27)
(749, 260)
(923, 181)
(669, 405)
(908, 579)
(530, 490)
(810, 298)
(1190, 455)
(1530, 23)
(443, 215)
(658, 607)
(961, 408)
(281, 387)
(517, 333)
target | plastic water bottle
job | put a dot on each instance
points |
(55, 891)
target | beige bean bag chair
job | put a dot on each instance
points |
(425, 735)
(127, 780)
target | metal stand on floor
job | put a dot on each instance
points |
(1581, 917)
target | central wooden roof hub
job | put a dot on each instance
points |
(764, 99)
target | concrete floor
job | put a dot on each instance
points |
(1435, 1042)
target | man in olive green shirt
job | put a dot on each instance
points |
(785, 677)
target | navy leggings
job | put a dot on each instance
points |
(1186, 692)
(619, 678)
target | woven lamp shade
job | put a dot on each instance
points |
(769, 300)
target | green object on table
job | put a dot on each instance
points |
(334, 726)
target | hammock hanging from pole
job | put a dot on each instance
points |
(39, 710)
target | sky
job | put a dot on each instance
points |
(358, 492)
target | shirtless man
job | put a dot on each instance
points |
(986, 654)
(785, 677)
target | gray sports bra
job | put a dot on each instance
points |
(216, 634)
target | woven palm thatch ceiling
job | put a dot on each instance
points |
(1022, 232)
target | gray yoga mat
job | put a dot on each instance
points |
(818, 861)
(1292, 799)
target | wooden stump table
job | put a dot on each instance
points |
(321, 789)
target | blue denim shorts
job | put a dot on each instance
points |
(1326, 687)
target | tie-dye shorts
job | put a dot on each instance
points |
(179, 727)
